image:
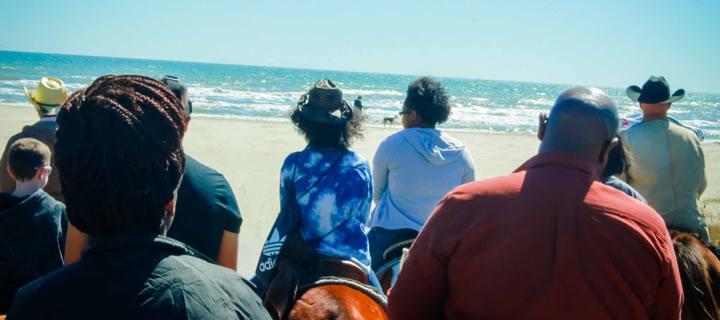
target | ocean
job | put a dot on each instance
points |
(269, 93)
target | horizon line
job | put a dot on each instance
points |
(328, 70)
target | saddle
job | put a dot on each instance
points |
(391, 258)
(299, 269)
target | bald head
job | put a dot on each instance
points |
(582, 121)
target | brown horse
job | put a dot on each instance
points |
(338, 299)
(700, 275)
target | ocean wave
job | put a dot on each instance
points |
(365, 92)
(12, 92)
(287, 98)
(538, 101)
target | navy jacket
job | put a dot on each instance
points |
(139, 277)
(32, 241)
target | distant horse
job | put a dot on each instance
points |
(700, 275)
(389, 120)
(338, 299)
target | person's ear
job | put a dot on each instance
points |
(186, 122)
(415, 117)
(605, 151)
(542, 125)
(170, 208)
(42, 173)
(10, 173)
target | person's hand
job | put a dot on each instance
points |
(543, 118)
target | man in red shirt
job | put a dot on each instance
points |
(546, 242)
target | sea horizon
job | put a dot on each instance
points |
(269, 92)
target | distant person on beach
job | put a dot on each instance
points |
(207, 217)
(119, 149)
(668, 163)
(415, 168)
(546, 242)
(358, 103)
(32, 223)
(47, 98)
(325, 194)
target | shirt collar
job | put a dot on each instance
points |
(48, 119)
(560, 158)
(103, 244)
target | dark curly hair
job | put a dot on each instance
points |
(324, 135)
(119, 154)
(428, 98)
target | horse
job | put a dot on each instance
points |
(393, 257)
(308, 286)
(337, 298)
(389, 120)
(700, 276)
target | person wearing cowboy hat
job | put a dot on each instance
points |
(47, 99)
(668, 164)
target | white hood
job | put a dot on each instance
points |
(437, 147)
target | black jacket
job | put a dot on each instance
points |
(32, 241)
(139, 277)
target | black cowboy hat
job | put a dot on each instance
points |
(324, 104)
(655, 90)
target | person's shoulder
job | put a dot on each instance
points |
(498, 187)
(357, 161)
(47, 290)
(611, 202)
(185, 275)
(685, 133)
(391, 142)
(194, 167)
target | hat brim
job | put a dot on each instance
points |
(44, 109)
(634, 92)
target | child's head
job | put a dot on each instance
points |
(29, 159)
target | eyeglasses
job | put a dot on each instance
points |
(403, 112)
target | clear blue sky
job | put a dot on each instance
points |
(603, 43)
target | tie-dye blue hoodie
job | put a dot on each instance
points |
(337, 208)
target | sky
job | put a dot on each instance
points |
(601, 43)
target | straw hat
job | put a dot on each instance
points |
(48, 96)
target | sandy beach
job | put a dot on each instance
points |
(250, 154)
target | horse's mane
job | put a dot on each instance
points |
(700, 300)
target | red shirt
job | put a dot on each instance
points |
(546, 242)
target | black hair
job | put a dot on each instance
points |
(119, 154)
(618, 161)
(26, 156)
(428, 98)
(325, 135)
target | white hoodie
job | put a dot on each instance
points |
(413, 170)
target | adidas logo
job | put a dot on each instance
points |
(274, 244)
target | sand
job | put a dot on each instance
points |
(250, 153)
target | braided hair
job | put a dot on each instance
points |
(119, 154)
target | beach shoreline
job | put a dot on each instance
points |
(250, 153)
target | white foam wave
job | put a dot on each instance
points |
(538, 101)
(364, 92)
(288, 97)
(12, 92)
